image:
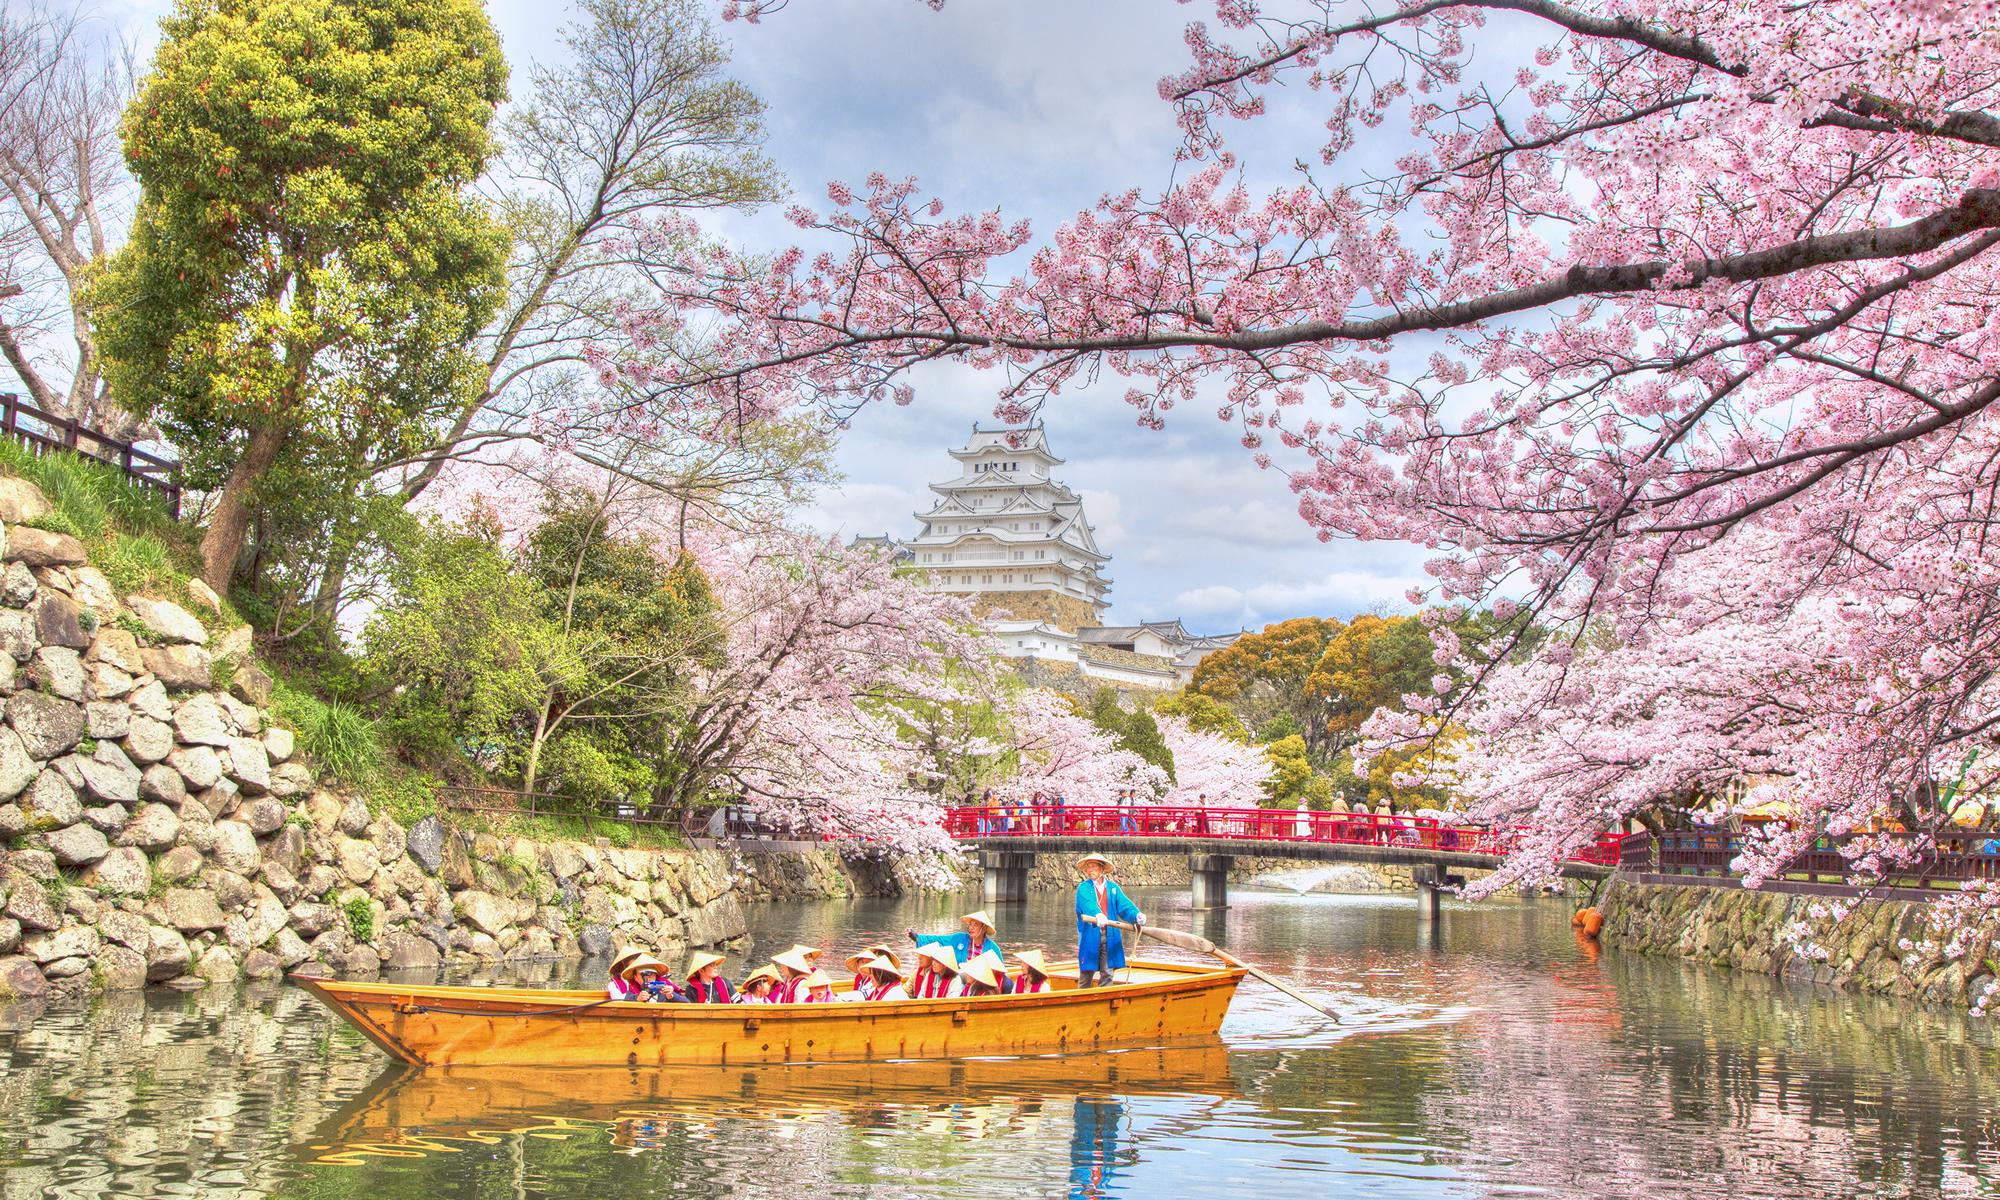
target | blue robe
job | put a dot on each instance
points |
(1122, 909)
(961, 944)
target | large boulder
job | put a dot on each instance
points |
(44, 548)
(58, 670)
(190, 911)
(28, 902)
(122, 872)
(117, 647)
(50, 802)
(217, 965)
(244, 717)
(21, 501)
(107, 720)
(286, 848)
(108, 682)
(13, 822)
(78, 845)
(162, 783)
(17, 634)
(71, 941)
(236, 847)
(357, 858)
(21, 978)
(290, 779)
(425, 843)
(198, 765)
(279, 743)
(182, 668)
(17, 585)
(199, 721)
(17, 767)
(290, 948)
(404, 951)
(146, 740)
(154, 827)
(484, 911)
(121, 968)
(107, 819)
(252, 683)
(168, 622)
(311, 918)
(91, 588)
(167, 954)
(48, 725)
(249, 766)
(59, 622)
(109, 775)
(354, 818)
(152, 701)
(180, 864)
(263, 815)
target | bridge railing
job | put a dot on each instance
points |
(1931, 861)
(1249, 825)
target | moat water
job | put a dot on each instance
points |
(1493, 1056)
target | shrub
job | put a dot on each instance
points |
(339, 740)
(408, 798)
(140, 563)
(360, 914)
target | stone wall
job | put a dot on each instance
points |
(1794, 936)
(157, 828)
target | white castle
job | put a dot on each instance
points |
(1005, 532)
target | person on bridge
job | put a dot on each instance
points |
(976, 939)
(1100, 949)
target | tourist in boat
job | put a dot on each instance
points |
(980, 979)
(757, 986)
(1034, 977)
(814, 988)
(937, 972)
(792, 966)
(654, 984)
(705, 984)
(976, 938)
(619, 987)
(1003, 981)
(885, 981)
(1100, 950)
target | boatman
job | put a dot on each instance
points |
(975, 941)
(1100, 949)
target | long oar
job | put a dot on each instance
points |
(1201, 945)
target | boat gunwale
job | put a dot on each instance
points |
(347, 996)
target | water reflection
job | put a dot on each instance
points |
(1505, 1058)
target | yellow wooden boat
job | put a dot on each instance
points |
(1156, 1003)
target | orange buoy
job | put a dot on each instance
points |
(1589, 920)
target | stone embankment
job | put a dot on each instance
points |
(1796, 937)
(157, 828)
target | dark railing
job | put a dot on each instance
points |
(42, 432)
(1251, 825)
(1945, 860)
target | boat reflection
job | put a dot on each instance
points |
(408, 1112)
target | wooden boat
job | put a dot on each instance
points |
(1157, 1003)
(406, 1112)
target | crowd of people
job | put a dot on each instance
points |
(968, 962)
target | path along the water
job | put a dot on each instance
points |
(1491, 1055)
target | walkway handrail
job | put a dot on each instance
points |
(42, 431)
(1269, 825)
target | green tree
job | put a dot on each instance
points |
(1203, 714)
(1136, 731)
(1263, 675)
(306, 259)
(1292, 771)
(1373, 662)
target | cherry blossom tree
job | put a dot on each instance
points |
(1226, 771)
(1059, 751)
(1674, 338)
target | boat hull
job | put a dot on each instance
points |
(440, 1026)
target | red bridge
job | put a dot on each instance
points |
(1009, 838)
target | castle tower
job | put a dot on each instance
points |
(1006, 532)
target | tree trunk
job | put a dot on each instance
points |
(227, 526)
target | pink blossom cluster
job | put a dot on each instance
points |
(1228, 773)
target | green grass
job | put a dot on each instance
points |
(360, 914)
(141, 563)
(409, 797)
(340, 740)
(566, 827)
(90, 498)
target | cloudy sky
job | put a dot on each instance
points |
(1037, 107)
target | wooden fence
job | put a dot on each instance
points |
(42, 432)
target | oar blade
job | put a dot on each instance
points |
(1180, 940)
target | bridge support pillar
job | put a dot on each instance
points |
(1005, 875)
(1210, 876)
(1431, 883)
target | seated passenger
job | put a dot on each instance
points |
(705, 984)
(979, 977)
(937, 972)
(757, 986)
(792, 967)
(812, 954)
(976, 939)
(815, 988)
(655, 987)
(858, 964)
(885, 981)
(620, 988)
(1002, 980)
(1034, 977)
